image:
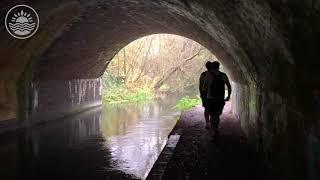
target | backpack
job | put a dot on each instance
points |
(202, 86)
(217, 86)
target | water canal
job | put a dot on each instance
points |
(110, 142)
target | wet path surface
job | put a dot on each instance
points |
(197, 157)
(104, 143)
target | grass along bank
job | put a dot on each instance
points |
(122, 94)
(187, 103)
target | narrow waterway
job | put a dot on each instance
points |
(110, 142)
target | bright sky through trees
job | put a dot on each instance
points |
(156, 64)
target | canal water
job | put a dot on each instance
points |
(110, 142)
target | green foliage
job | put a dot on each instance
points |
(141, 95)
(187, 103)
(121, 94)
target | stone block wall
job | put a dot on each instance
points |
(275, 129)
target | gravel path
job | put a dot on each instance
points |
(197, 157)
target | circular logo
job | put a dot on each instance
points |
(22, 21)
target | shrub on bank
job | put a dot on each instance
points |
(187, 103)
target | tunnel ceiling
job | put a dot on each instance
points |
(77, 39)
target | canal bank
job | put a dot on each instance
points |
(197, 157)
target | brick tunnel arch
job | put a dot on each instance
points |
(44, 82)
(57, 71)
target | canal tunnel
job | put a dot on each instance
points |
(269, 48)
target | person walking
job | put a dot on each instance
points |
(215, 81)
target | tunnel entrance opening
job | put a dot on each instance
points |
(155, 66)
(145, 87)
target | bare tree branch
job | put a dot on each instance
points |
(171, 71)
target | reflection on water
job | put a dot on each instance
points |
(136, 134)
(115, 142)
